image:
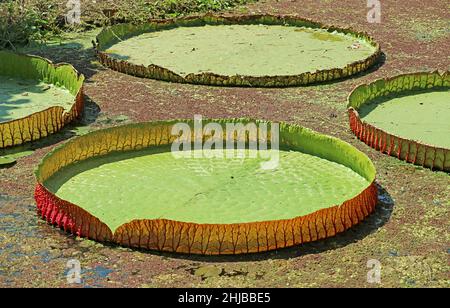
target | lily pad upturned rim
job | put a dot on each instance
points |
(207, 239)
(6, 161)
(153, 71)
(48, 121)
(411, 151)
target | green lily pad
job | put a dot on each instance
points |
(129, 176)
(22, 154)
(406, 116)
(6, 161)
(17, 152)
(208, 271)
(36, 94)
(20, 98)
(10, 159)
(209, 190)
(253, 50)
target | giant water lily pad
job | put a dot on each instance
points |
(9, 158)
(241, 51)
(37, 97)
(407, 116)
(6, 161)
(125, 185)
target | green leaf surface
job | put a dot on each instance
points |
(6, 161)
